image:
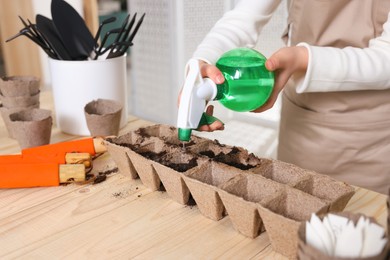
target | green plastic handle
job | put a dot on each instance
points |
(185, 134)
(207, 120)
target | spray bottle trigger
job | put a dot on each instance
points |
(207, 120)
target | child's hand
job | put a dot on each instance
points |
(212, 72)
(285, 62)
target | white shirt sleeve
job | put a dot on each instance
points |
(333, 69)
(239, 27)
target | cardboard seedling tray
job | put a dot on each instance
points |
(231, 155)
(336, 193)
(284, 173)
(172, 168)
(222, 179)
(118, 148)
(203, 183)
(168, 134)
(241, 196)
(283, 215)
(160, 131)
(142, 157)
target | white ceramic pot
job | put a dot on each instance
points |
(76, 83)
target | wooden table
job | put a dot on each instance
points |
(121, 219)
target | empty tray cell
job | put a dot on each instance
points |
(283, 215)
(151, 150)
(171, 168)
(241, 196)
(336, 193)
(202, 183)
(159, 130)
(127, 140)
(284, 173)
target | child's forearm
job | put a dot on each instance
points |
(348, 69)
(334, 69)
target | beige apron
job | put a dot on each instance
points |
(342, 134)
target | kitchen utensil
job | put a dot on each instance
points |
(46, 27)
(72, 29)
(106, 21)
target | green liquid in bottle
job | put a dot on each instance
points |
(248, 84)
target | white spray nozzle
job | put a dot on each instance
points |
(195, 93)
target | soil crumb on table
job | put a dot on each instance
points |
(102, 176)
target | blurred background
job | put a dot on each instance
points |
(166, 40)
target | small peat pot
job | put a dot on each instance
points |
(31, 127)
(15, 86)
(5, 112)
(20, 101)
(103, 117)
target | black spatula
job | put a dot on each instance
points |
(46, 28)
(72, 29)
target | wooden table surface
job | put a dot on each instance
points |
(121, 219)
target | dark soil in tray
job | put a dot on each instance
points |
(159, 157)
(240, 166)
(181, 167)
(134, 147)
(153, 156)
(228, 158)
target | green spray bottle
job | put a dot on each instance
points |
(247, 86)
